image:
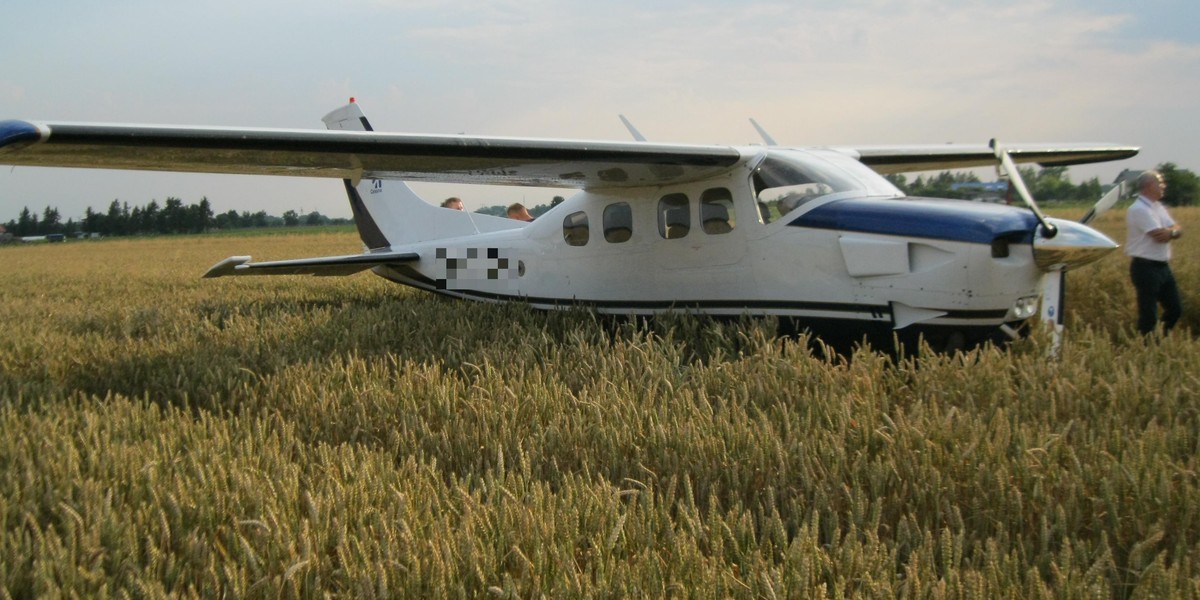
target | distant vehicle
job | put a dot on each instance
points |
(56, 237)
(813, 235)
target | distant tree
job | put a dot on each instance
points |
(151, 221)
(115, 220)
(199, 216)
(26, 223)
(92, 221)
(290, 218)
(227, 220)
(1089, 191)
(315, 218)
(495, 210)
(174, 216)
(1049, 184)
(940, 185)
(51, 221)
(1183, 187)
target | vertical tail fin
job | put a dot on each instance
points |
(351, 118)
(389, 213)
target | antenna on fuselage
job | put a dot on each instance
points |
(770, 141)
(637, 135)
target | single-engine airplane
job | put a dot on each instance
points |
(816, 236)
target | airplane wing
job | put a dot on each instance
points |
(323, 266)
(901, 159)
(358, 154)
(452, 158)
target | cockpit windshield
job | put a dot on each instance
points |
(787, 179)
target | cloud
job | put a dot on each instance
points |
(820, 72)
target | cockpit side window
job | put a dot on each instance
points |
(618, 222)
(782, 183)
(674, 216)
(716, 211)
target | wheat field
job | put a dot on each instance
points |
(292, 437)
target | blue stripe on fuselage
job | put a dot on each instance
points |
(13, 133)
(955, 220)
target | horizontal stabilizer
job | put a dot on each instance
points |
(322, 266)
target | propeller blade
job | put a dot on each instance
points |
(1014, 177)
(1102, 205)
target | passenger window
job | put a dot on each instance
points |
(674, 216)
(618, 222)
(716, 211)
(575, 229)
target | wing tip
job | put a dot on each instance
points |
(229, 266)
(16, 134)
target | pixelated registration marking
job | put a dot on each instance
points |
(467, 268)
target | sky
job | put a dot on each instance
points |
(812, 72)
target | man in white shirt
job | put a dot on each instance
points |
(1150, 231)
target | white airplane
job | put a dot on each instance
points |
(813, 235)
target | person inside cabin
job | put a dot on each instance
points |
(518, 211)
(453, 202)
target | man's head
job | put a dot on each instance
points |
(1151, 185)
(519, 212)
(452, 202)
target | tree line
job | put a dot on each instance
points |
(1051, 184)
(172, 217)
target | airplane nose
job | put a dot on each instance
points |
(1074, 246)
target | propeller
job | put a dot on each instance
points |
(1054, 253)
(1103, 204)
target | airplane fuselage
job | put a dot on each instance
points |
(846, 254)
